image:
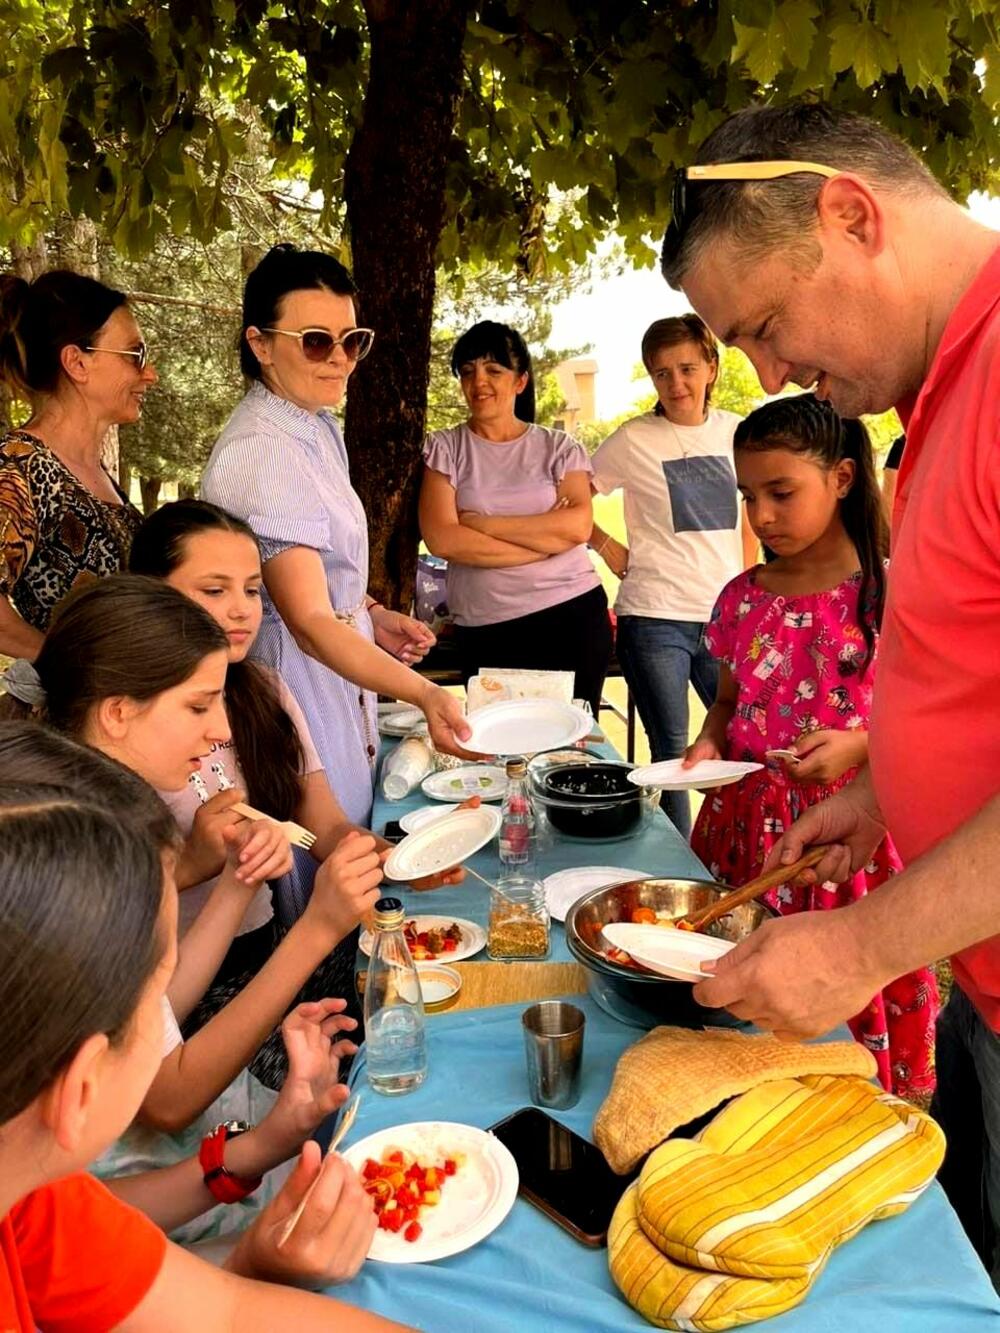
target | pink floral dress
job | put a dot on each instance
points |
(799, 666)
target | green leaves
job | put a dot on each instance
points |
(786, 40)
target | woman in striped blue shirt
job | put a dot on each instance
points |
(280, 464)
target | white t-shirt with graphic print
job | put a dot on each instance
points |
(221, 771)
(682, 512)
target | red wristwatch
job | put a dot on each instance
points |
(226, 1187)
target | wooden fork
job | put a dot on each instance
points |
(295, 833)
(348, 1116)
(737, 897)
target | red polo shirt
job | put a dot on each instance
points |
(935, 730)
(74, 1259)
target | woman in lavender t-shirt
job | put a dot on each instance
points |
(507, 503)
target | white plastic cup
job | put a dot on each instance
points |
(407, 765)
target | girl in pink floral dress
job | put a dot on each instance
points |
(797, 639)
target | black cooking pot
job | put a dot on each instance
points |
(589, 800)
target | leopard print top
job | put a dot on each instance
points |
(54, 534)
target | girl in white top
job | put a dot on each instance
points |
(686, 535)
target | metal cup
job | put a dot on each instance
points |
(553, 1042)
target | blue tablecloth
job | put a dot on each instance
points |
(916, 1272)
(656, 847)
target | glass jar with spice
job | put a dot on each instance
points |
(519, 919)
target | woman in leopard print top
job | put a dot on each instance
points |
(63, 519)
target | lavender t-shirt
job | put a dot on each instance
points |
(513, 478)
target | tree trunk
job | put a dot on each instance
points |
(394, 188)
(149, 488)
(28, 261)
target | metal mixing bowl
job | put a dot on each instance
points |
(640, 997)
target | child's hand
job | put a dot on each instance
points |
(259, 851)
(206, 849)
(827, 755)
(703, 748)
(330, 1240)
(312, 1037)
(346, 886)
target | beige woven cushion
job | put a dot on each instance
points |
(674, 1075)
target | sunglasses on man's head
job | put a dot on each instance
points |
(318, 344)
(685, 177)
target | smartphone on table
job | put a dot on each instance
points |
(393, 832)
(562, 1174)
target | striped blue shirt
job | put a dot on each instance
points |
(285, 472)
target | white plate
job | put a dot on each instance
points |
(458, 784)
(424, 815)
(443, 843)
(664, 949)
(526, 726)
(473, 937)
(669, 776)
(400, 722)
(474, 1201)
(564, 887)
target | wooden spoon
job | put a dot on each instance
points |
(347, 1119)
(737, 897)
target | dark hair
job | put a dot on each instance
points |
(124, 635)
(38, 319)
(80, 896)
(33, 753)
(762, 216)
(690, 328)
(285, 269)
(505, 346)
(804, 425)
(267, 742)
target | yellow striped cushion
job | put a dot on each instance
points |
(734, 1226)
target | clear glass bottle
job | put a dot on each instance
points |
(395, 1040)
(519, 918)
(518, 835)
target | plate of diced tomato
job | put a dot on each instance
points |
(438, 1188)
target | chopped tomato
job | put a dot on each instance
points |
(450, 945)
(413, 1231)
(450, 1167)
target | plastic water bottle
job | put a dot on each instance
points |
(395, 1041)
(517, 821)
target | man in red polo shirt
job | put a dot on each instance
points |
(822, 247)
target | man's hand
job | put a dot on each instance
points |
(799, 976)
(825, 756)
(330, 1239)
(849, 825)
(402, 636)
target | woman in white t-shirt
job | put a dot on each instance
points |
(686, 535)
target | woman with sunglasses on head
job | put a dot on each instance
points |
(71, 349)
(687, 535)
(507, 503)
(280, 464)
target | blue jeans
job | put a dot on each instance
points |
(659, 659)
(967, 1107)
